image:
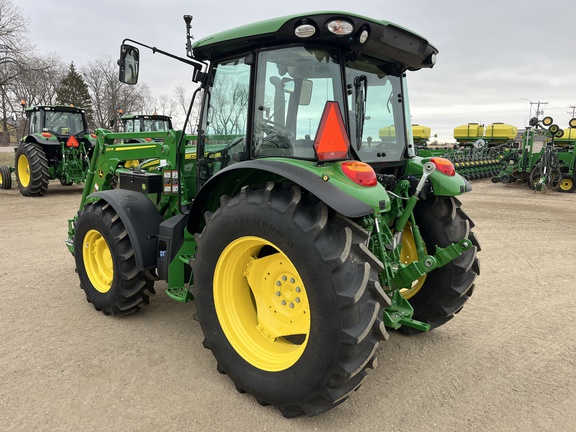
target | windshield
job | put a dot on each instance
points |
(64, 123)
(146, 125)
(156, 125)
(376, 114)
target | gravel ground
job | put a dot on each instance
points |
(505, 363)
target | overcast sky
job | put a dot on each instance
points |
(495, 56)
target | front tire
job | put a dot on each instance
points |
(106, 263)
(31, 170)
(288, 298)
(439, 295)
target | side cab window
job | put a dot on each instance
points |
(225, 120)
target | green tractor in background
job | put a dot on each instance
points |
(56, 145)
(299, 239)
(145, 123)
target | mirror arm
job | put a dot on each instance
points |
(197, 65)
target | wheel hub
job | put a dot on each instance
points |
(261, 303)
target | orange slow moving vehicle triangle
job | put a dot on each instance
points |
(331, 141)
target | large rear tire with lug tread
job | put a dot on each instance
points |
(288, 298)
(5, 177)
(32, 172)
(439, 295)
(106, 263)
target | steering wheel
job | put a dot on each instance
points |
(270, 127)
(225, 150)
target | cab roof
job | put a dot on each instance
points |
(386, 41)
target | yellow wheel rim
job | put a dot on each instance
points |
(23, 171)
(261, 304)
(98, 261)
(566, 184)
(408, 254)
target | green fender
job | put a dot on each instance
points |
(327, 182)
(37, 138)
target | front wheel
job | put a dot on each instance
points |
(288, 298)
(106, 263)
(439, 295)
(31, 170)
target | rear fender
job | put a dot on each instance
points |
(43, 141)
(231, 179)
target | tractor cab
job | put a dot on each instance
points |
(297, 86)
(59, 121)
(313, 88)
(146, 123)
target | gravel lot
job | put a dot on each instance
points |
(506, 362)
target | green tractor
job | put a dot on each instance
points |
(56, 145)
(299, 239)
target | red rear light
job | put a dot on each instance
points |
(331, 141)
(46, 134)
(72, 142)
(148, 139)
(359, 172)
(93, 136)
(443, 165)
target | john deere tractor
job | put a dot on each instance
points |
(301, 241)
(146, 123)
(56, 145)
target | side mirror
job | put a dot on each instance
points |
(129, 63)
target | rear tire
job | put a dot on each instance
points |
(443, 292)
(288, 299)
(31, 170)
(106, 263)
(5, 177)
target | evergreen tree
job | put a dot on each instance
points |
(74, 91)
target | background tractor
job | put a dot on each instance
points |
(145, 123)
(56, 145)
(299, 239)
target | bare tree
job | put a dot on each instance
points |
(37, 83)
(110, 95)
(228, 104)
(183, 104)
(14, 46)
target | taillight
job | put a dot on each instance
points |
(359, 172)
(331, 141)
(46, 134)
(443, 165)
